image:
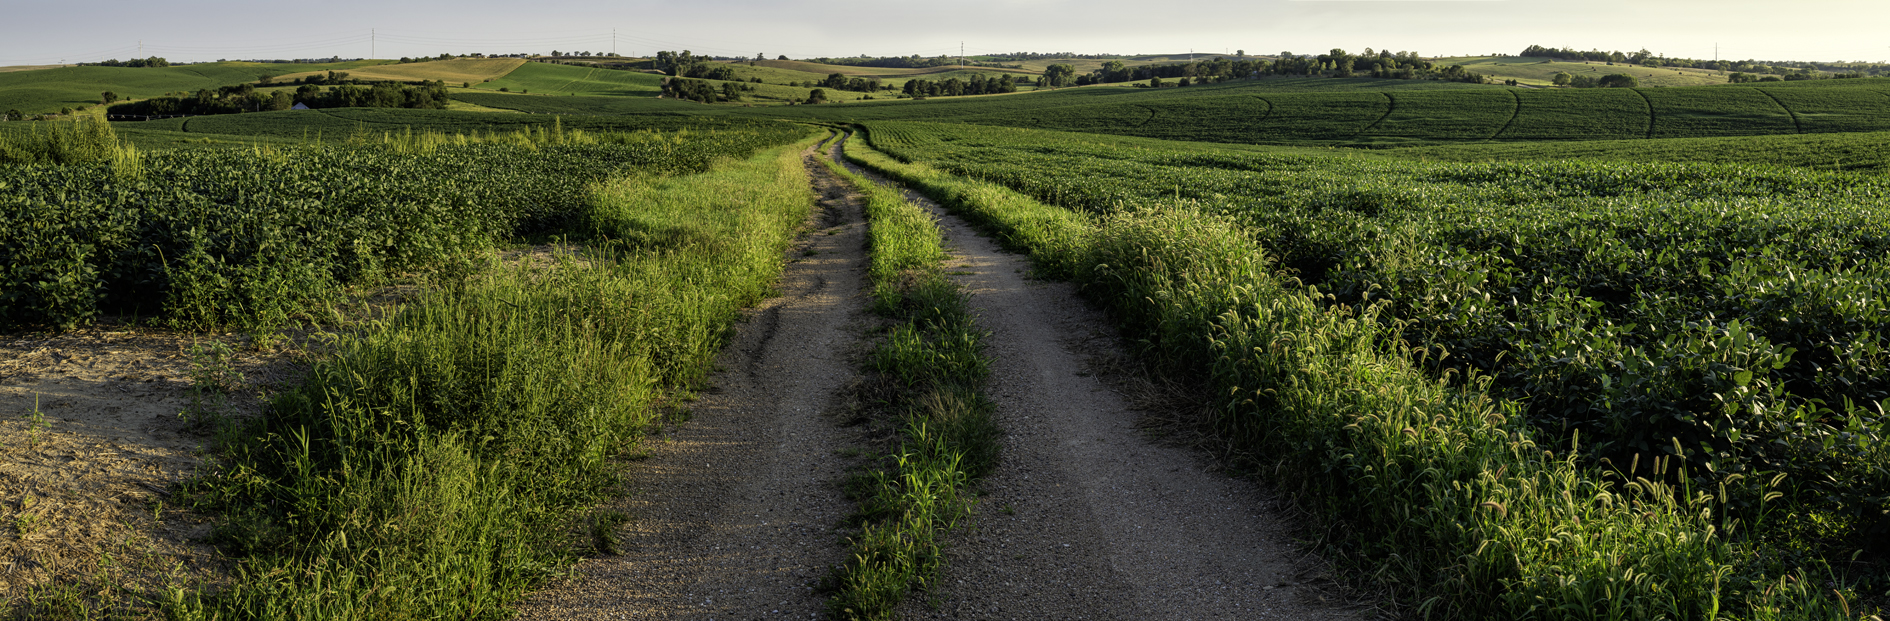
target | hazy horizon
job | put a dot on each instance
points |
(208, 30)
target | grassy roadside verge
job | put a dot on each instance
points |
(1432, 489)
(435, 465)
(926, 376)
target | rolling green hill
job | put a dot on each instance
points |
(1863, 151)
(573, 80)
(341, 123)
(1385, 118)
(451, 71)
(48, 90)
(1353, 112)
(550, 79)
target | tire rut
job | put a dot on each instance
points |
(735, 513)
(1086, 517)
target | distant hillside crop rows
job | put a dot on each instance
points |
(1360, 112)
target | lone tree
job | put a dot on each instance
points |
(108, 97)
(1058, 75)
(1563, 78)
(1618, 80)
(816, 96)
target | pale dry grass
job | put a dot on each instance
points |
(29, 68)
(451, 71)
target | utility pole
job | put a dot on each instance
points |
(373, 44)
(613, 42)
(961, 55)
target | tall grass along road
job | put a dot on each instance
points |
(1085, 516)
(733, 513)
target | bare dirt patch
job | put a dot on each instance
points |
(92, 440)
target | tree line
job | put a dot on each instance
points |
(153, 61)
(245, 98)
(954, 87)
(1336, 63)
(703, 92)
(909, 62)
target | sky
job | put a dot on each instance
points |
(38, 33)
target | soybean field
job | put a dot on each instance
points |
(1724, 321)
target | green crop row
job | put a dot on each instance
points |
(343, 123)
(252, 237)
(1372, 112)
(1586, 114)
(1854, 151)
(1732, 317)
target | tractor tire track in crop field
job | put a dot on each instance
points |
(1391, 105)
(1268, 114)
(734, 514)
(1799, 125)
(1086, 517)
(1512, 116)
(1146, 119)
(1650, 110)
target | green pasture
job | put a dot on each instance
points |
(48, 90)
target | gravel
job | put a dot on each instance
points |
(735, 514)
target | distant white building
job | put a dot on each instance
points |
(300, 106)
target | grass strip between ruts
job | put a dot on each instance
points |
(928, 374)
(1431, 489)
(437, 464)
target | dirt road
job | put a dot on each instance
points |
(735, 514)
(1087, 517)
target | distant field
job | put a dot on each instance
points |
(1086, 65)
(452, 71)
(1445, 115)
(29, 68)
(1850, 151)
(823, 70)
(1302, 111)
(1835, 109)
(550, 79)
(1541, 71)
(1695, 112)
(1389, 117)
(568, 80)
(48, 90)
(787, 71)
(1578, 114)
(341, 123)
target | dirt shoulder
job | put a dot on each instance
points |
(1086, 516)
(92, 438)
(737, 512)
